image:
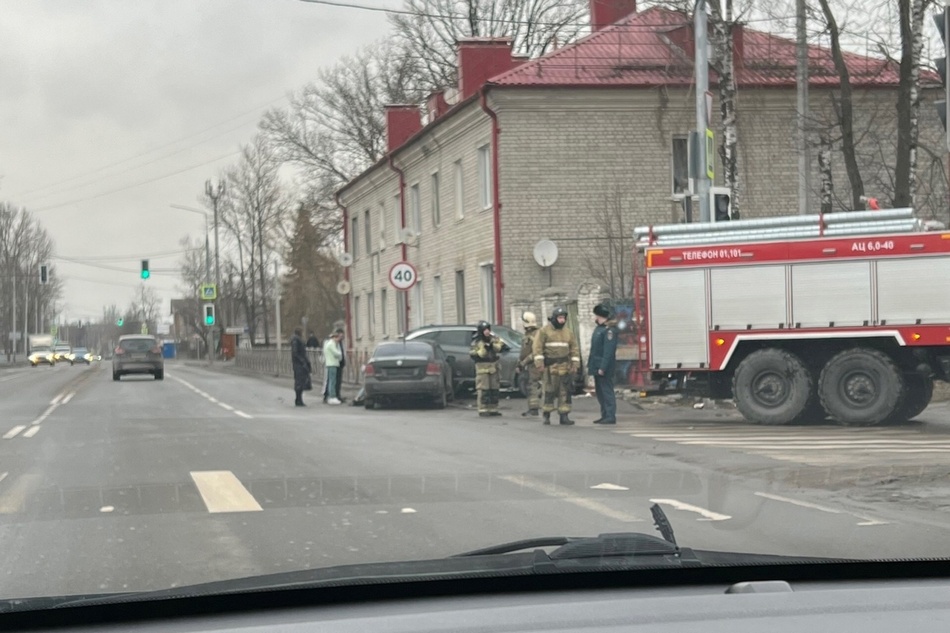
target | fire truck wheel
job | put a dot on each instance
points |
(772, 386)
(861, 387)
(918, 391)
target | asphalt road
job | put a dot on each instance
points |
(207, 475)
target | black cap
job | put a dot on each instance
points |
(602, 310)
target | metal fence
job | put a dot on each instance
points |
(273, 363)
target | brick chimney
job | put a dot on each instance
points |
(480, 59)
(402, 121)
(436, 105)
(738, 45)
(606, 12)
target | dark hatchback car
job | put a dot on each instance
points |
(138, 354)
(402, 370)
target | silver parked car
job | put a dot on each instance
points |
(138, 354)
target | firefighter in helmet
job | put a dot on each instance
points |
(486, 350)
(556, 353)
(527, 366)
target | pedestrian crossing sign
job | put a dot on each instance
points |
(209, 292)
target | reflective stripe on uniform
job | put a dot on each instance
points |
(556, 344)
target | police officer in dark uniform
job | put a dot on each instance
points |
(603, 361)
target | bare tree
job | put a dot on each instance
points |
(145, 306)
(431, 31)
(908, 100)
(609, 261)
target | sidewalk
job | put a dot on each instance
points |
(347, 390)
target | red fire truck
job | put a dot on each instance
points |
(799, 318)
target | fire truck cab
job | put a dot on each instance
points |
(802, 318)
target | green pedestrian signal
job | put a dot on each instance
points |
(209, 314)
(120, 322)
(145, 272)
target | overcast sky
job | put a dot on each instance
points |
(111, 110)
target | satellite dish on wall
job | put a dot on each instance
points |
(343, 287)
(407, 236)
(545, 253)
(346, 260)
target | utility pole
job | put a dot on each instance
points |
(277, 303)
(801, 80)
(702, 117)
(215, 194)
(14, 314)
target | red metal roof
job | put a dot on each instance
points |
(654, 47)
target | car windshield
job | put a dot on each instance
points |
(245, 246)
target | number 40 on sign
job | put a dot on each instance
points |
(402, 276)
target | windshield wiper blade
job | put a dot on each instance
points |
(517, 546)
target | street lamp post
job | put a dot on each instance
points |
(207, 239)
(215, 194)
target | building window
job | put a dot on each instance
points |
(436, 201)
(460, 296)
(355, 237)
(356, 317)
(367, 229)
(459, 190)
(401, 312)
(437, 299)
(382, 225)
(415, 209)
(371, 315)
(680, 167)
(417, 307)
(397, 220)
(484, 177)
(383, 308)
(487, 283)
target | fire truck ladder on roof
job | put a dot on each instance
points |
(780, 229)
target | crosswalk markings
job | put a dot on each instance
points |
(222, 491)
(816, 445)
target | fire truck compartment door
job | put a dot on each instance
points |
(911, 289)
(748, 297)
(679, 333)
(833, 292)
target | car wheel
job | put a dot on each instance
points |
(115, 375)
(369, 403)
(441, 401)
(160, 375)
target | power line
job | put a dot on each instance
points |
(137, 184)
(465, 18)
(125, 257)
(97, 170)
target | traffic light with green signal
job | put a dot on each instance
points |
(209, 314)
(145, 272)
(120, 321)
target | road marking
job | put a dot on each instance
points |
(12, 433)
(408, 511)
(13, 499)
(210, 398)
(33, 430)
(608, 487)
(565, 494)
(223, 492)
(708, 515)
(56, 400)
(3, 476)
(866, 520)
(106, 508)
(68, 398)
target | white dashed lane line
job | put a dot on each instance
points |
(34, 426)
(33, 430)
(12, 433)
(212, 399)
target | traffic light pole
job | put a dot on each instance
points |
(215, 194)
(702, 117)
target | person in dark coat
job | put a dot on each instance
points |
(301, 365)
(603, 361)
(313, 342)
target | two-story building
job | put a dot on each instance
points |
(578, 147)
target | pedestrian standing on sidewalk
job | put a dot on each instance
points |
(313, 342)
(602, 363)
(301, 365)
(331, 359)
(339, 374)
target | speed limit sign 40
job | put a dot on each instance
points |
(402, 276)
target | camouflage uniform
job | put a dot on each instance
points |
(485, 352)
(526, 363)
(557, 353)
